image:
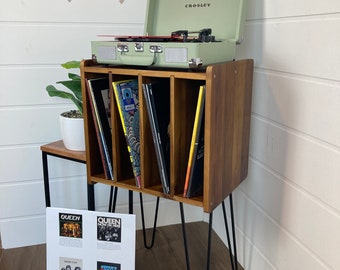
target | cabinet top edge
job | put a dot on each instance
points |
(89, 66)
(145, 72)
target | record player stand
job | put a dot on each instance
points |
(226, 131)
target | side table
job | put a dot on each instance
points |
(57, 149)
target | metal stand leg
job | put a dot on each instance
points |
(130, 202)
(228, 236)
(233, 259)
(233, 229)
(113, 199)
(46, 182)
(143, 222)
(209, 240)
(184, 236)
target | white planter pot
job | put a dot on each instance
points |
(72, 132)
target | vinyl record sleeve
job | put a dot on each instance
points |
(157, 97)
(126, 94)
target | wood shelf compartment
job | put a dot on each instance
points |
(227, 126)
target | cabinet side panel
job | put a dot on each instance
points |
(228, 102)
(244, 84)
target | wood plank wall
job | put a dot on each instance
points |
(288, 210)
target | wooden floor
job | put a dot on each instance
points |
(166, 254)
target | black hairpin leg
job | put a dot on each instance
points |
(130, 202)
(209, 240)
(90, 197)
(143, 222)
(184, 236)
(233, 259)
(228, 236)
(113, 199)
(233, 229)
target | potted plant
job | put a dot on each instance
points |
(71, 122)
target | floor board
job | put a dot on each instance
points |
(166, 254)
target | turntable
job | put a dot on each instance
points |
(163, 45)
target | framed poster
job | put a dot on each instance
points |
(80, 239)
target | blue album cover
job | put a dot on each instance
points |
(108, 266)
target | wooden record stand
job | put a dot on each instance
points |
(226, 135)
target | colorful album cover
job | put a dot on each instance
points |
(126, 93)
(70, 225)
(109, 229)
(108, 266)
(70, 264)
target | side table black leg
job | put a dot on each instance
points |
(90, 197)
(46, 180)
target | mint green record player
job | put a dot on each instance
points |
(179, 34)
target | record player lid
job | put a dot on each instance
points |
(224, 17)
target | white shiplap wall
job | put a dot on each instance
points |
(288, 209)
(35, 37)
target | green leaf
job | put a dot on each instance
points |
(71, 64)
(74, 77)
(74, 86)
(54, 92)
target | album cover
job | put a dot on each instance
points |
(70, 225)
(157, 97)
(194, 177)
(126, 93)
(109, 229)
(70, 264)
(99, 100)
(108, 266)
